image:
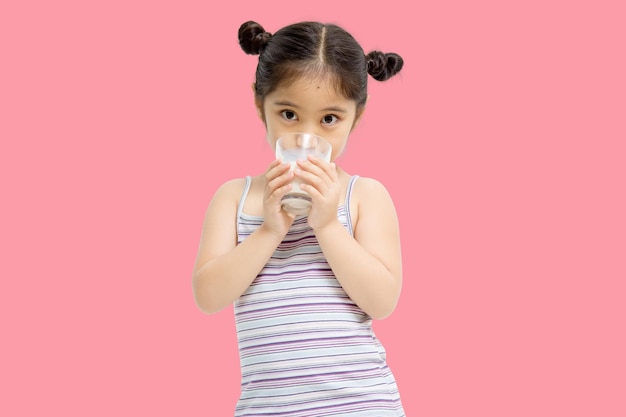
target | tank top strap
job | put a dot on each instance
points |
(244, 194)
(347, 201)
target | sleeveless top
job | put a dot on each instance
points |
(305, 348)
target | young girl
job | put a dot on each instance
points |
(306, 288)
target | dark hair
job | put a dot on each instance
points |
(314, 49)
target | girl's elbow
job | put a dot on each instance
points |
(205, 301)
(385, 307)
(206, 305)
(383, 311)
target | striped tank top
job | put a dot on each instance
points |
(305, 348)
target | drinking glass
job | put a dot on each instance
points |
(293, 147)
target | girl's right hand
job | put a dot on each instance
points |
(278, 178)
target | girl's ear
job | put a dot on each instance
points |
(258, 104)
(357, 118)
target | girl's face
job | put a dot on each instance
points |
(311, 106)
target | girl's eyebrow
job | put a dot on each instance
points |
(295, 106)
(336, 109)
(286, 103)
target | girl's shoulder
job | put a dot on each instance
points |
(230, 194)
(232, 185)
(372, 210)
(366, 189)
(230, 191)
(370, 198)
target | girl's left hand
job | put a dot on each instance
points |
(321, 181)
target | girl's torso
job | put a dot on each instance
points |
(306, 349)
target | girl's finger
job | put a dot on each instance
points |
(275, 170)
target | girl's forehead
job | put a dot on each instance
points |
(320, 86)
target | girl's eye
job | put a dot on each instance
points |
(329, 119)
(289, 115)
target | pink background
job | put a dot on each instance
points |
(502, 142)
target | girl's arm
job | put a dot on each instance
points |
(368, 265)
(224, 269)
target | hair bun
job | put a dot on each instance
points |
(253, 38)
(382, 66)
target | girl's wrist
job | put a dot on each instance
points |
(330, 228)
(267, 232)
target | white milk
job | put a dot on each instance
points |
(298, 147)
